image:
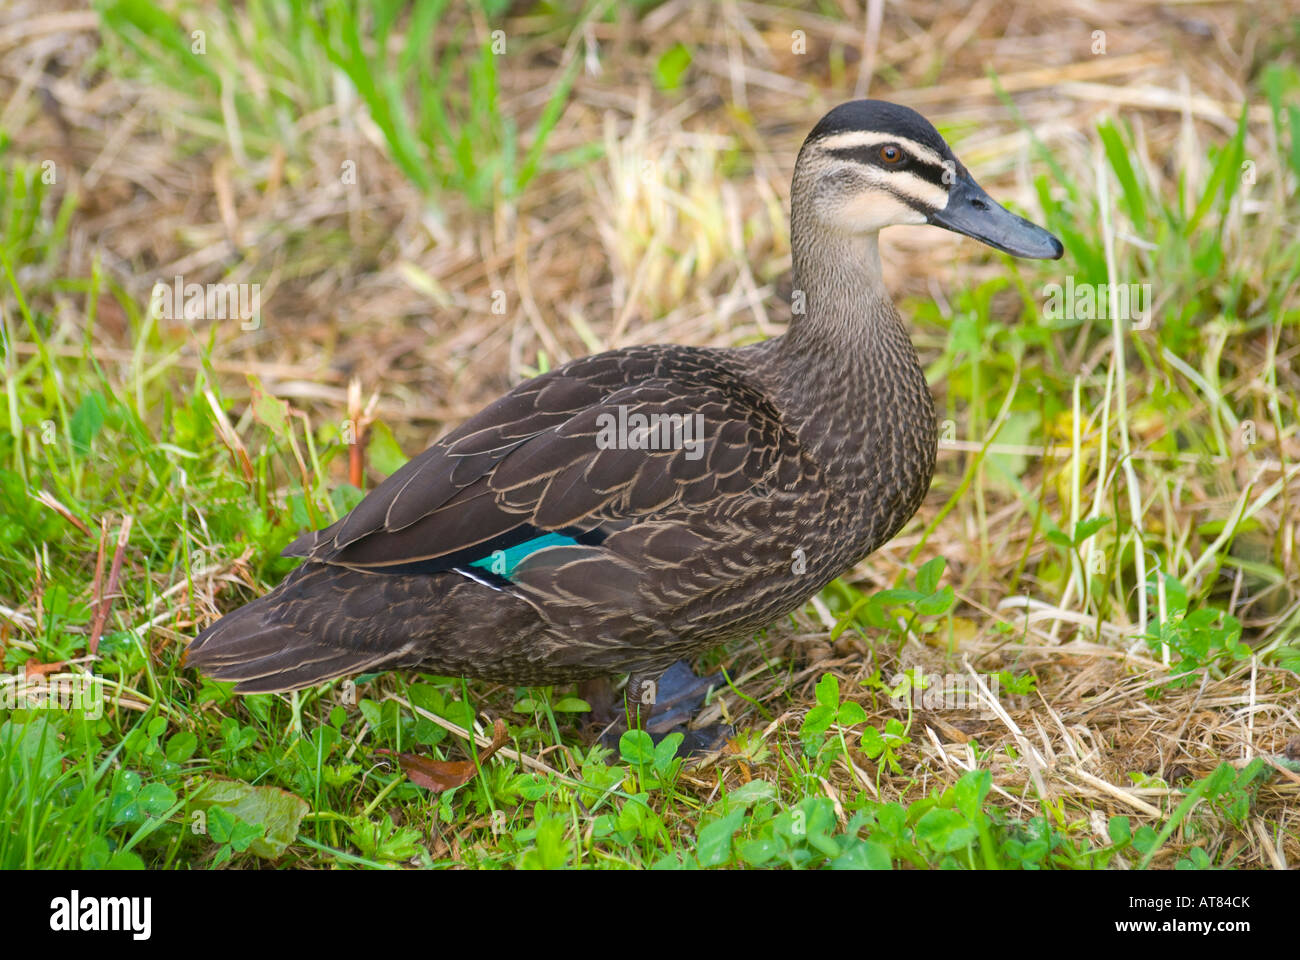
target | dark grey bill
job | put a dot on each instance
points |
(973, 212)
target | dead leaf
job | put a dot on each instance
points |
(440, 775)
(35, 668)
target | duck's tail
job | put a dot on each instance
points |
(322, 622)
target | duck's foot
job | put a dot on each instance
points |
(664, 704)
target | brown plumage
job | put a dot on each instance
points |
(815, 448)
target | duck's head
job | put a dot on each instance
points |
(870, 164)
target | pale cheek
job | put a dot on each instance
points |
(869, 213)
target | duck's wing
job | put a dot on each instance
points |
(565, 454)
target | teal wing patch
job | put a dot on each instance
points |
(503, 562)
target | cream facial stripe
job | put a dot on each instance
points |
(909, 186)
(865, 139)
(911, 189)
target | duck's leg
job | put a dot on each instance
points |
(671, 697)
(599, 693)
(662, 702)
(641, 695)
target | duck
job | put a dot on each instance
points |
(629, 510)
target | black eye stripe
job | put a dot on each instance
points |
(931, 172)
(872, 155)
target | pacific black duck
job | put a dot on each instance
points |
(556, 536)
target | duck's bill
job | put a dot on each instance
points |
(973, 212)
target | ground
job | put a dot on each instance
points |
(1103, 577)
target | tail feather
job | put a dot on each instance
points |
(326, 621)
(274, 658)
(296, 636)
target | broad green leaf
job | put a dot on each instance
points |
(181, 746)
(945, 830)
(268, 409)
(87, 421)
(760, 851)
(156, 799)
(863, 855)
(936, 603)
(1119, 830)
(571, 705)
(1060, 539)
(672, 66)
(969, 792)
(817, 720)
(752, 792)
(873, 745)
(666, 751)
(714, 846)
(851, 713)
(279, 811)
(828, 691)
(1086, 528)
(636, 747)
(927, 578)
(383, 449)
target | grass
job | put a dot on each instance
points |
(1110, 537)
(439, 121)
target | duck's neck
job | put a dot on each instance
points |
(850, 377)
(840, 302)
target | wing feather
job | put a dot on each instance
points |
(530, 463)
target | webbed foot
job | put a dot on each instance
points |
(663, 704)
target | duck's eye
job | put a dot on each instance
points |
(891, 154)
